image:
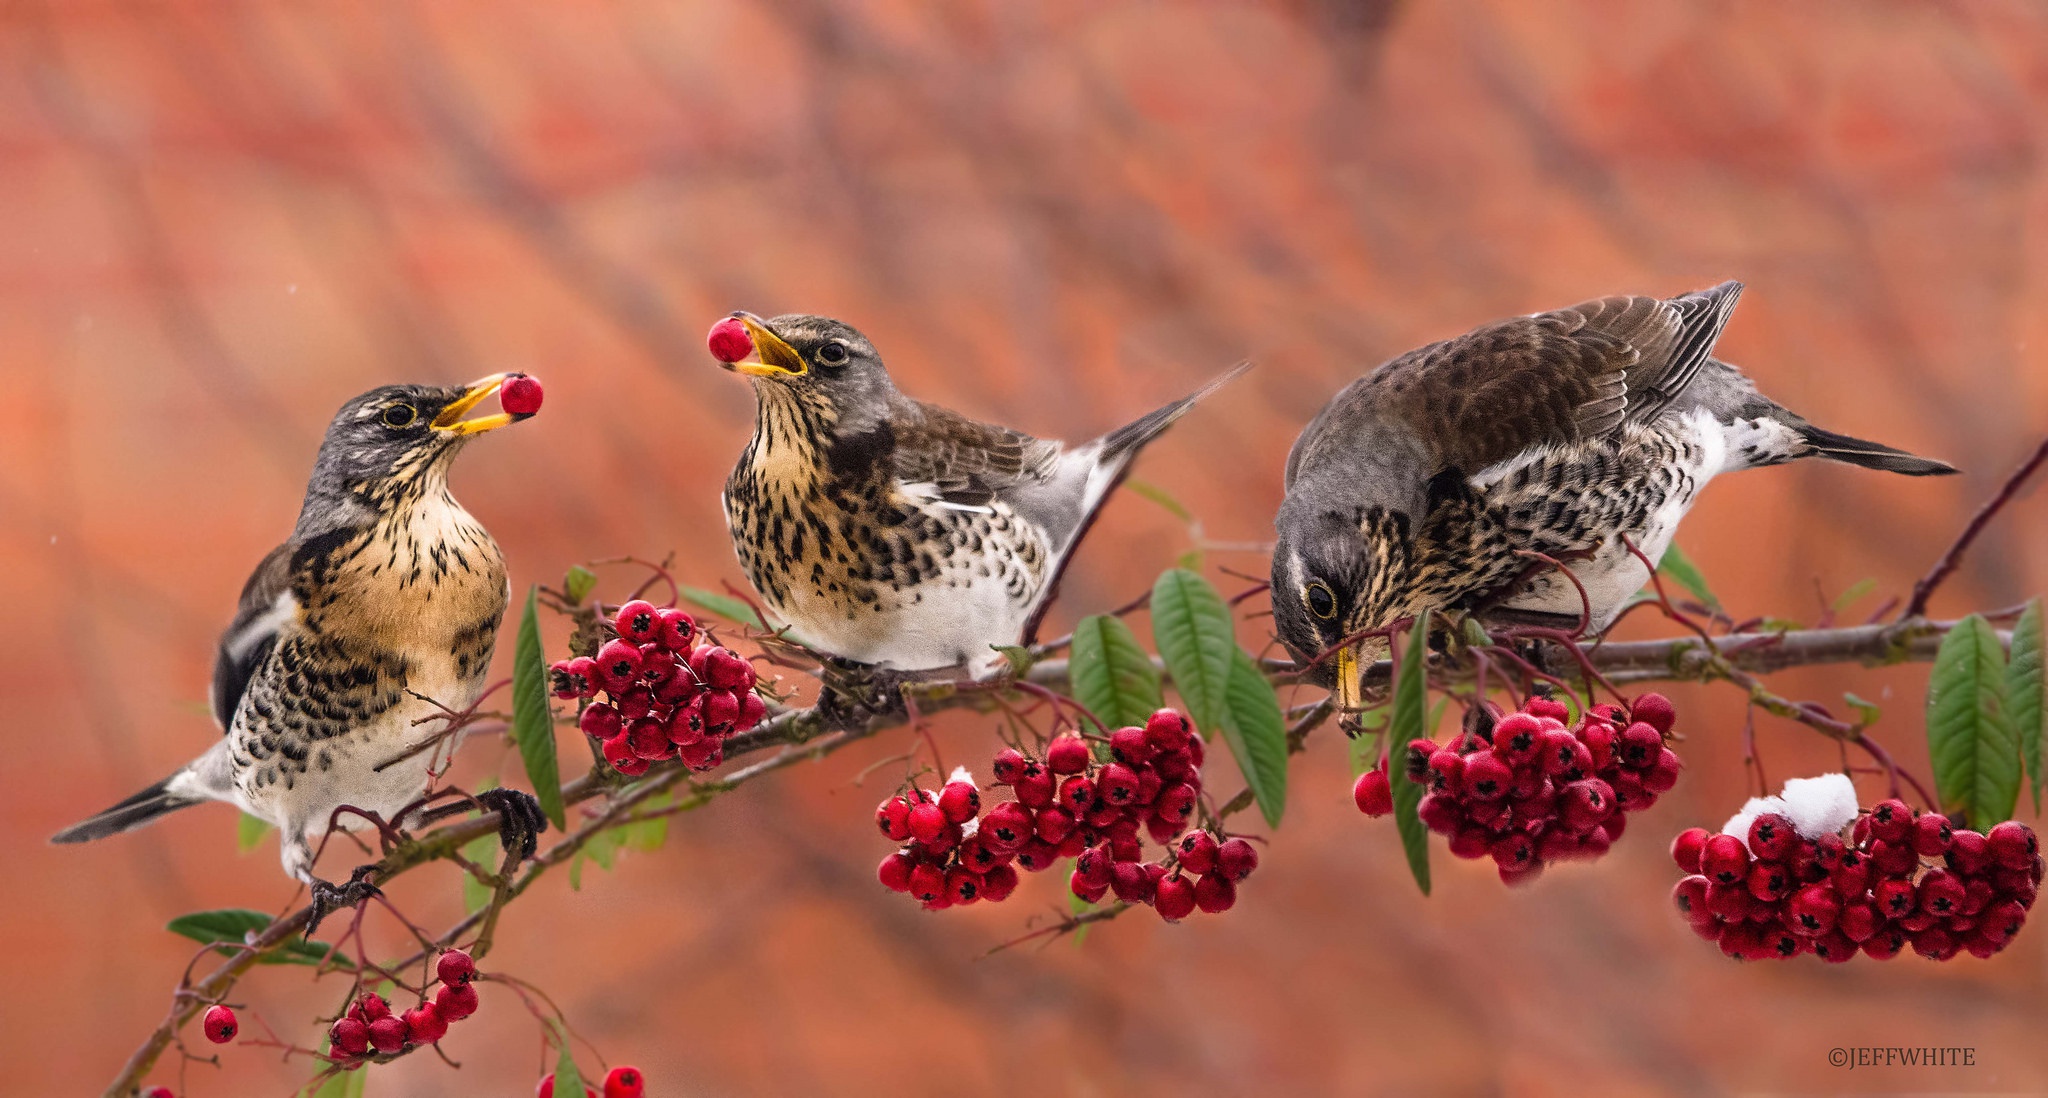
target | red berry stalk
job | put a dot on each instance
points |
(664, 695)
(1072, 804)
(1901, 879)
(1538, 792)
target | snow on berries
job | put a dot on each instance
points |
(666, 693)
(219, 1024)
(1781, 880)
(371, 1028)
(1538, 791)
(520, 395)
(1092, 799)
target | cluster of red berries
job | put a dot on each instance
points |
(370, 1026)
(666, 696)
(1071, 804)
(1779, 894)
(1538, 792)
(620, 1082)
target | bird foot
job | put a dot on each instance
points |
(520, 819)
(856, 694)
(329, 898)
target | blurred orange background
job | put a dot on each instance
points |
(223, 219)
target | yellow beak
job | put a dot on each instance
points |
(778, 359)
(1347, 679)
(475, 393)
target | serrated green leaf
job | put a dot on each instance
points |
(568, 1080)
(482, 851)
(230, 927)
(1969, 734)
(1411, 699)
(1855, 592)
(1159, 496)
(2026, 691)
(1192, 629)
(1680, 568)
(1257, 734)
(249, 831)
(577, 583)
(533, 724)
(1111, 674)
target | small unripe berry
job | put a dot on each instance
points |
(1067, 754)
(1372, 793)
(219, 1024)
(1236, 858)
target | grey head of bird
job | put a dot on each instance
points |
(821, 366)
(393, 445)
(1340, 567)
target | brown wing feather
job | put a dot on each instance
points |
(970, 461)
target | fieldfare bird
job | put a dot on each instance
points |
(380, 609)
(1572, 434)
(895, 533)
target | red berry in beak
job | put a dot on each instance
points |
(520, 395)
(220, 1024)
(729, 340)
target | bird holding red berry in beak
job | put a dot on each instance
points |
(895, 533)
(1428, 483)
(381, 610)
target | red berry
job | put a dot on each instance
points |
(1167, 731)
(456, 1001)
(1724, 859)
(373, 1006)
(1931, 834)
(1131, 883)
(1686, 848)
(1006, 827)
(1173, 807)
(625, 1082)
(1037, 855)
(424, 1024)
(1415, 761)
(1969, 852)
(1117, 784)
(1129, 746)
(1891, 820)
(1858, 920)
(729, 340)
(1656, 711)
(1440, 814)
(648, 739)
(1077, 795)
(520, 395)
(1547, 707)
(455, 966)
(892, 817)
(676, 631)
(926, 822)
(1446, 772)
(1895, 899)
(1215, 893)
(2012, 844)
(1941, 894)
(1372, 793)
(998, 883)
(349, 1037)
(927, 882)
(1690, 896)
(1517, 737)
(1068, 754)
(388, 1034)
(1815, 909)
(546, 1089)
(618, 665)
(220, 1025)
(638, 622)
(1009, 765)
(159, 1091)
(1486, 777)
(959, 801)
(1236, 859)
(1585, 804)
(1771, 837)
(1034, 787)
(1884, 945)
(1174, 898)
(1936, 944)
(894, 872)
(1053, 824)
(1638, 746)
(1197, 851)
(1894, 859)
(963, 887)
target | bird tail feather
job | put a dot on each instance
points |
(1122, 444)
(132, 813)
(1872, 455)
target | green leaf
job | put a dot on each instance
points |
(336, 1083)
(1411, 698)
(1364, 752)
(1680, 568)
(1855, 592)
(1969, 734)
(1867, 712)
(533, 724)
(230, 927)
(1159, 496)
(248, 832)
(1111, 674)
(2026, 691)
(568, 1080)
(483, 851)
(1192, 629)
(725, 606)
(577, 583)
(1257, 735)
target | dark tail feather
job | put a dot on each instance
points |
(1872, 455)
(1132, 437)
(131, 813)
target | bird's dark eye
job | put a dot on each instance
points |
(400, 415)
(833, 354)
(1320, 601)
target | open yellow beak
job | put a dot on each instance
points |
(1347, 679)
(475, 393)
(777, 359)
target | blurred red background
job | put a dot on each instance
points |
(223, 219)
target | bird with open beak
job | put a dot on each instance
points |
(1430, 483)
(379, 610)
(895, 533)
